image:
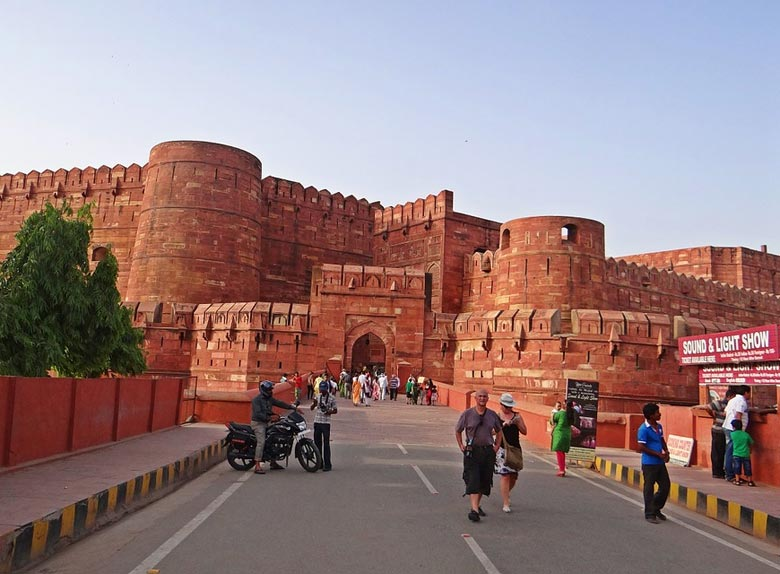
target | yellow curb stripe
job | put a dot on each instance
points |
(674, 492)
(112, 496)
(40, 531)
(712, 506)
(145, 484)
(158, 479)
(759, 523)
(171, 472)
(129, 491)
(690, 501)
(67, 520)
(734, 514)
(92, 506)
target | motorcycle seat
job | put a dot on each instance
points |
(242, 427)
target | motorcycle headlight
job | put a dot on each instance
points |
(302, 425)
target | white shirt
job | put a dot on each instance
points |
(737, 404)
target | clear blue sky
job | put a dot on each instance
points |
(659, 119)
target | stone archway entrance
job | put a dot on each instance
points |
(369, 351)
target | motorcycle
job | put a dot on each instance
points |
(280, 437)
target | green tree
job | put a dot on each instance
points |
(54, 313)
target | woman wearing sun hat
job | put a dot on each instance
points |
(513, 426)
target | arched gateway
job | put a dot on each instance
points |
(369, 345)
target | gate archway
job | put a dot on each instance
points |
(369, 351)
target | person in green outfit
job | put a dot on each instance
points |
(409, 390)
(562, 422)
(742, 441)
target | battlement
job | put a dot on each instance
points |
(71, 181)
(355, 278)
(415, 212)
(629, 274)
(276, 188)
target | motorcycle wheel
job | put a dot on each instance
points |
(309, 455)
(239, 460)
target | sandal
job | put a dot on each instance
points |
(751, 483)
(259, 471)
(736, 482)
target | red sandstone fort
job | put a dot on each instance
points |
(236, 277)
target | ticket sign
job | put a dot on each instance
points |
(744, 374)
(680, 449)
(746, 345)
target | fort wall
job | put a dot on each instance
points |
(116, 194)
(304, 227)
(199, 228)
(428, 235)
(738, 266)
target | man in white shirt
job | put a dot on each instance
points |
(382, 386)
(736, 410)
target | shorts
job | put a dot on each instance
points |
(478, 470)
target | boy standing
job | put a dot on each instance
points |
(741, 441)
(655, 455)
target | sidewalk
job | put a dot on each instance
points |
(47, 505)
(755, 511)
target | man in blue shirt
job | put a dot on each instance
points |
(655, 455)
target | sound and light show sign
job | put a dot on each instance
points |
(585, 395)
(745, 345)
(745, 374)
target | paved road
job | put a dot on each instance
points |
(393, 505)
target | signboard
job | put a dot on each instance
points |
(745, 345)
(585, 395)
(680, 449)
(745, 374)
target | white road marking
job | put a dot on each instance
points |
(481, 556)
(425, 480)
(403, 450)
(690, 527)
(169, 545)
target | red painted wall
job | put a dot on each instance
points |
(93, 413)
(45, 417)
(41, 419)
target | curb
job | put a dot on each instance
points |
(754, 522)
(39, 539)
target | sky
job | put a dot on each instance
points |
(659, 119)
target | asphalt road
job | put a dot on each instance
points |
(393, 504)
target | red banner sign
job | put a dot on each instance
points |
(746, 345)
(747, 374)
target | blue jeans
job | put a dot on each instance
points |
(743, 464)
(729, 460)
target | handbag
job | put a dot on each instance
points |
(513, 457)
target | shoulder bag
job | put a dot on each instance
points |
(513, 455)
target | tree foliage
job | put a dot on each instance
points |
(57, 315)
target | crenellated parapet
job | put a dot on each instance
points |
(393, 281)
(76, 181)
(661, 290)
(422, 211)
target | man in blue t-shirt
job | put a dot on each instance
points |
(655, 455)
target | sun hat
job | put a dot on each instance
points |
(507, 400)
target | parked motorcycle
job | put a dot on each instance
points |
(280, 437)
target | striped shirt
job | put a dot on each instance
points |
(324, 403)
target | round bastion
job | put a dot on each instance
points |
(199, 233)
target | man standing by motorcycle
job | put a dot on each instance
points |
(262, 410)
(325, 404)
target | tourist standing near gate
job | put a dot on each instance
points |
(480, 425)
(717, 410)
(736, 409)
(394, 384)
(655, 455)
(409, 390)
(326, 406)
